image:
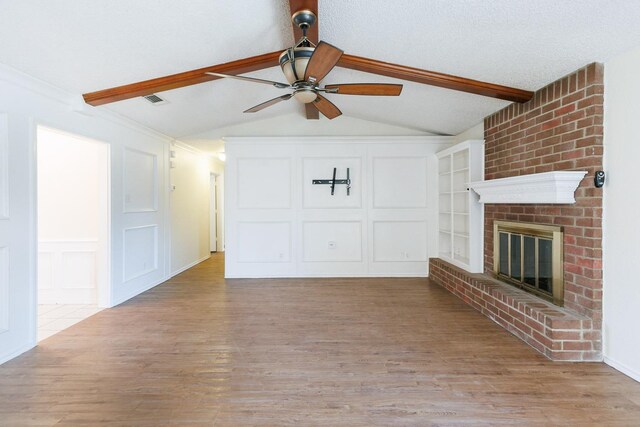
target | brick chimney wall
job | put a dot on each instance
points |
(561, 128)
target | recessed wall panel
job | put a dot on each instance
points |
(4, 167)
(264, 242)
(399, 182)
(264, 183)
(318, 196)
(45, 270)
(400, 241)
(140, 181)
(4, 289)
(332, 241)
(79, 270)
(140, 255)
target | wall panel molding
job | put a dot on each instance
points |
(264, 183)
(264, 241)
(140, 253)
(68, 272)
(381, 229)
(400, 241)
(399, 182)
(332, 241)
(140, 181)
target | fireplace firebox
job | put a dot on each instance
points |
(530, 256)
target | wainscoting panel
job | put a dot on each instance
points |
(382, 228)
(68, 272)
(332, 241)
(140, 253)
(46, 268)
(264, 242)
(399, 182)
(140, 181)
(400, 241)
(264, 183)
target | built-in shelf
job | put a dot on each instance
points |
(461, 216)
(556, 187)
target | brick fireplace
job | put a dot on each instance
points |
(560, 129)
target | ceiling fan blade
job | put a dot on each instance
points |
(378, 89)
(252, 79)
(326, 107)
(269, 103)
(324, 58)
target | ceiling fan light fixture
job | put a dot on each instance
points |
(305, 95)
(294, 63)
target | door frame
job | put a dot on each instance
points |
(103, 284)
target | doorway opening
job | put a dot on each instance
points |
(73, 229)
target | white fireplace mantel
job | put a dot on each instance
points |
(547, 187)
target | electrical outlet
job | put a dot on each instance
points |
(331, 244)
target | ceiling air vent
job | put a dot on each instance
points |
(154, 99)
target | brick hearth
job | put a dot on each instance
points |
(557, 333)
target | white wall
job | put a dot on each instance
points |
(190, 221)
(280, 225)
(621, 295)
(474, 132)
(73, 205)
(217, 167)
(139, 208)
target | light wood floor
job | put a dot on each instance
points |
(199, 350)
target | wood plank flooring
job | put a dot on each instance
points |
(201, 351)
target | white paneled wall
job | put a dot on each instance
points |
(68, 272)
(279, 224)
(26, 104)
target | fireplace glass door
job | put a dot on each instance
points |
(530, 257)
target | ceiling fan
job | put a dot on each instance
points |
(305, 65)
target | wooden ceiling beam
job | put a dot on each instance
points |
(312, 34)
(179, 80)
(434, 78)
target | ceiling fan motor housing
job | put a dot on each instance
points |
(294, 63)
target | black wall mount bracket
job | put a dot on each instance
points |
(332, 182)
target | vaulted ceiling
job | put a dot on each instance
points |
(84, 46)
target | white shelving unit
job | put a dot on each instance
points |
(460, 215)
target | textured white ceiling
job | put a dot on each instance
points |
(83, 46)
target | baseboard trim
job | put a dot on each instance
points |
(622, 368)
(188, 266)
(6, 357)
(326, 276)
(139, 291)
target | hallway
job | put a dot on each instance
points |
(199, 350)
